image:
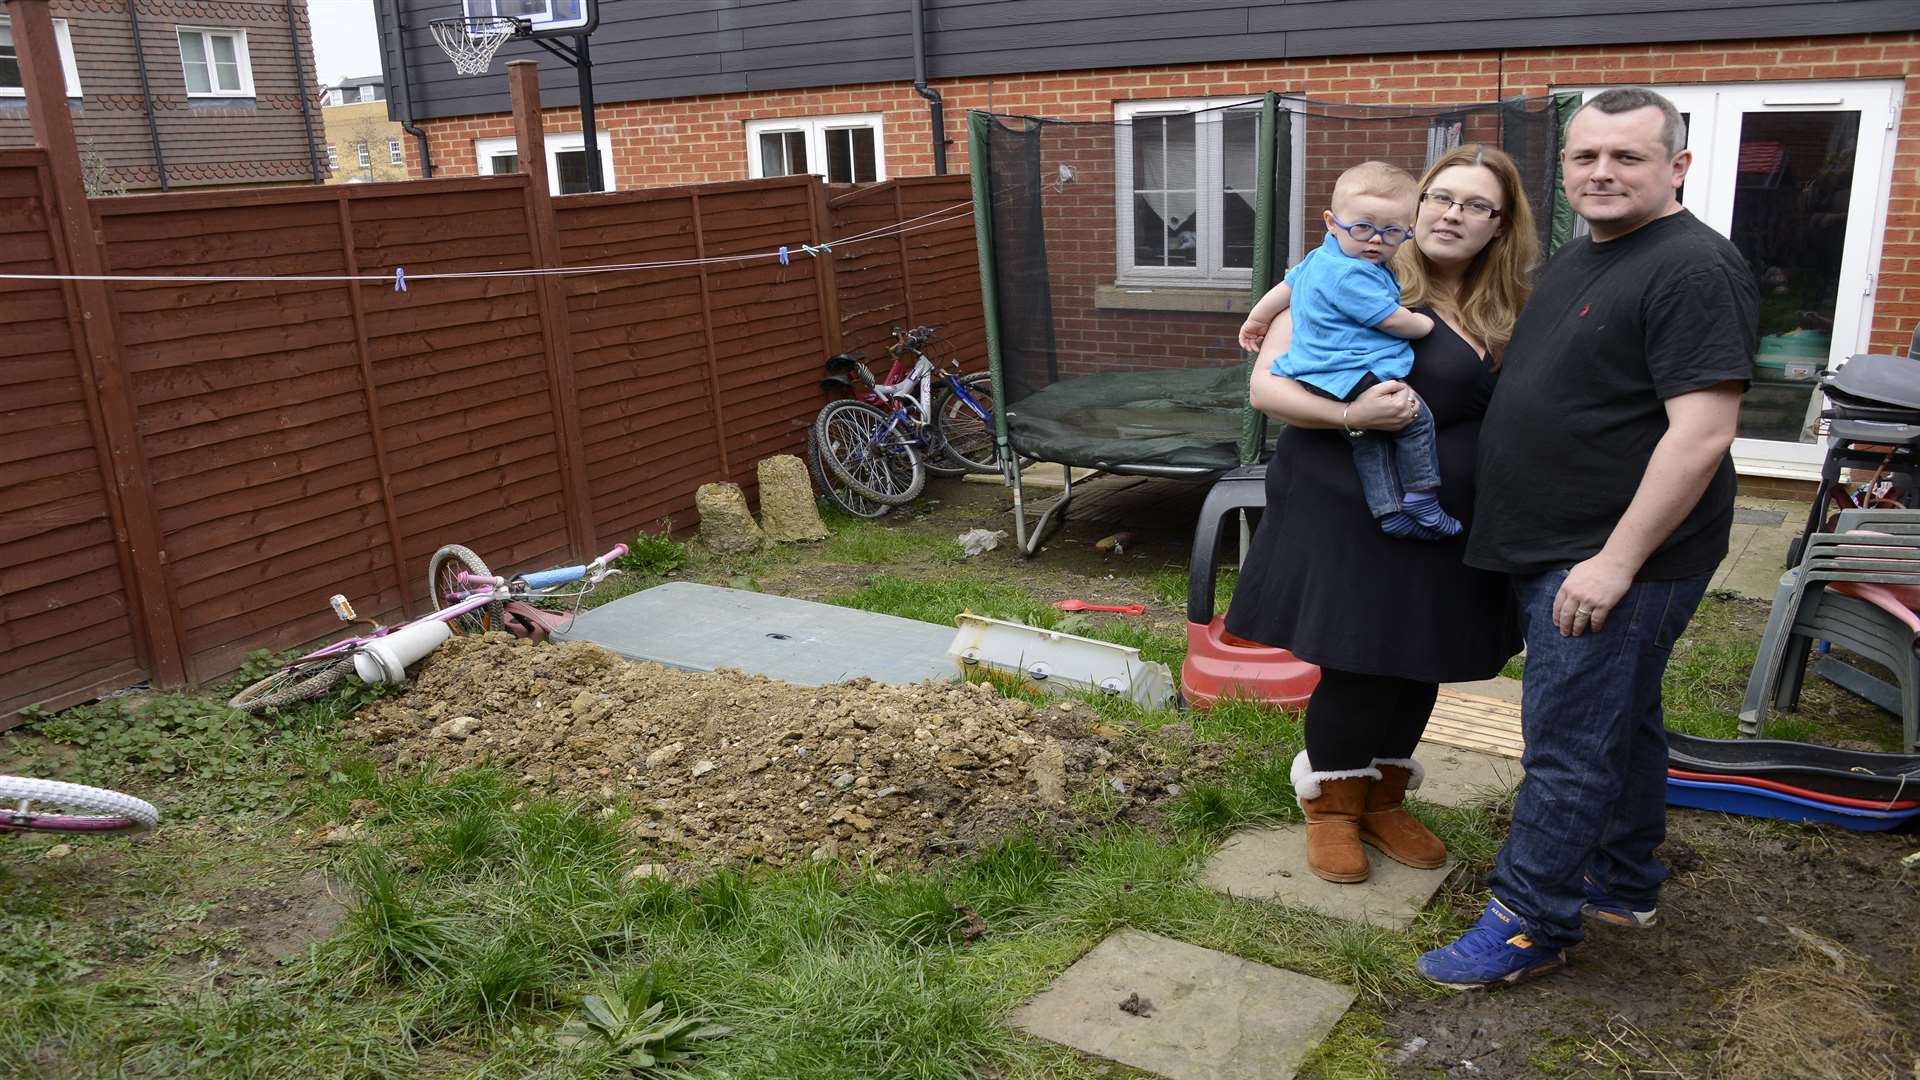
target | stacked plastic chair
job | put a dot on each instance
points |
(1859, 588)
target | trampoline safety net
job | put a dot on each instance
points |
(1122, 258)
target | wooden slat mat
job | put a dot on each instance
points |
(1473, 722)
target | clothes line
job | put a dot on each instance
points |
(400, 277)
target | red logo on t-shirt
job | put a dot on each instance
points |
(1584, 308)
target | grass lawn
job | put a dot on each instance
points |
(302, 914)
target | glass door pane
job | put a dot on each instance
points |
(1791, 206)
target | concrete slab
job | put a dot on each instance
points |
(1458, 777)
(1271, 864)
(1763, 529)
(1499, 687)
(1207, 1015)
(700, 628)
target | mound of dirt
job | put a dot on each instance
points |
(732, 767)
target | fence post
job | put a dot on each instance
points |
(906, 258)
(827, 272)
(555, 326)
(375, 426)
(706, 322)
(103, 370)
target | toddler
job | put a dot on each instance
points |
(1350, 332)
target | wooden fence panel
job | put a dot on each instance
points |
(926, 273)
(460, 372)
(66, 617)
(252, 415)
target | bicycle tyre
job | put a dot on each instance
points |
(104, 810)
(962, 435)
(298, 682)
(892, 475)
(835, 490)
(449, 561)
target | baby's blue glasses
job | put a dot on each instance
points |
(1363, 231)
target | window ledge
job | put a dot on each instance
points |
(1217, 299)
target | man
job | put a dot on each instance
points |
(1606, 491)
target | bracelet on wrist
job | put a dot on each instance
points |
(1351, 433)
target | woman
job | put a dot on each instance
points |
(1388, 620)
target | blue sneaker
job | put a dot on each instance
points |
(1494, 950)
(1602, 906)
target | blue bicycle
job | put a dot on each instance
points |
(925, 417)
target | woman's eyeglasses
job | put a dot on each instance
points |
(1473, 208)
(1363, 231)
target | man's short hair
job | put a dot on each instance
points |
(1621, 99)
(1376, 178)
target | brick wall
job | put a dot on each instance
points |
(688, 140)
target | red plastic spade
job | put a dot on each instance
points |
(1117, 609)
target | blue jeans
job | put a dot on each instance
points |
(1392, 463)
(1594, 800)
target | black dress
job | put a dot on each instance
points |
(1323, 581)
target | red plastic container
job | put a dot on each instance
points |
(1220, 665)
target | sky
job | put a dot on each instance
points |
(345, 44)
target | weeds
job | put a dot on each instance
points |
(653, 556)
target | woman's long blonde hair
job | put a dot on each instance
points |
(1496, 283)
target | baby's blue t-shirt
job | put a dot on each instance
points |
(1336, 301)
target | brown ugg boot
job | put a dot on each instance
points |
(1386, 823)
(1333, 802)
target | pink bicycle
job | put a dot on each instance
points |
(33, 805)
(469, 598)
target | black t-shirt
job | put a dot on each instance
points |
(1612, 330)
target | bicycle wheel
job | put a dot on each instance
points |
(443, 579)
(884, 471)
(297, 682)
(962, 434)
(53, 806)
(836, 490)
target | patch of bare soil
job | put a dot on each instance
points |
(1673, 1000)
(732, 767)
(280, 919)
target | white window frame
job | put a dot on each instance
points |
(558, 143)
(336, 96)
(68, 68)
(366, 93)
(333, 156)
(363, 155)
(1208, 273)
(815, 129)
(1713, 134)
(242, 60)
(395, 155)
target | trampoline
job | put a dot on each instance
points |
(1119, 258)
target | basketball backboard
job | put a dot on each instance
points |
(547, 17)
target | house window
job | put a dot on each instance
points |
(841, 149)
(566, 160)
(215, 63)
(1185, 180)
(366, 93)
(11, 84)
(394, 156)
(333, 156)
(336, 96)
(366, 161)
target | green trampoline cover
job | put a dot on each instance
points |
(1185, 418)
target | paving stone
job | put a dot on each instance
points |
(1206, 1015)
(1500, 687)
(1457, 777)
(1271, 864)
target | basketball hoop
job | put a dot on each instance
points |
(471, 42)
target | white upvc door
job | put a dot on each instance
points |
(1796, 175)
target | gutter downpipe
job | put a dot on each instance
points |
(300, 87)
(406, 87)
(936, 107)
(146, 91)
